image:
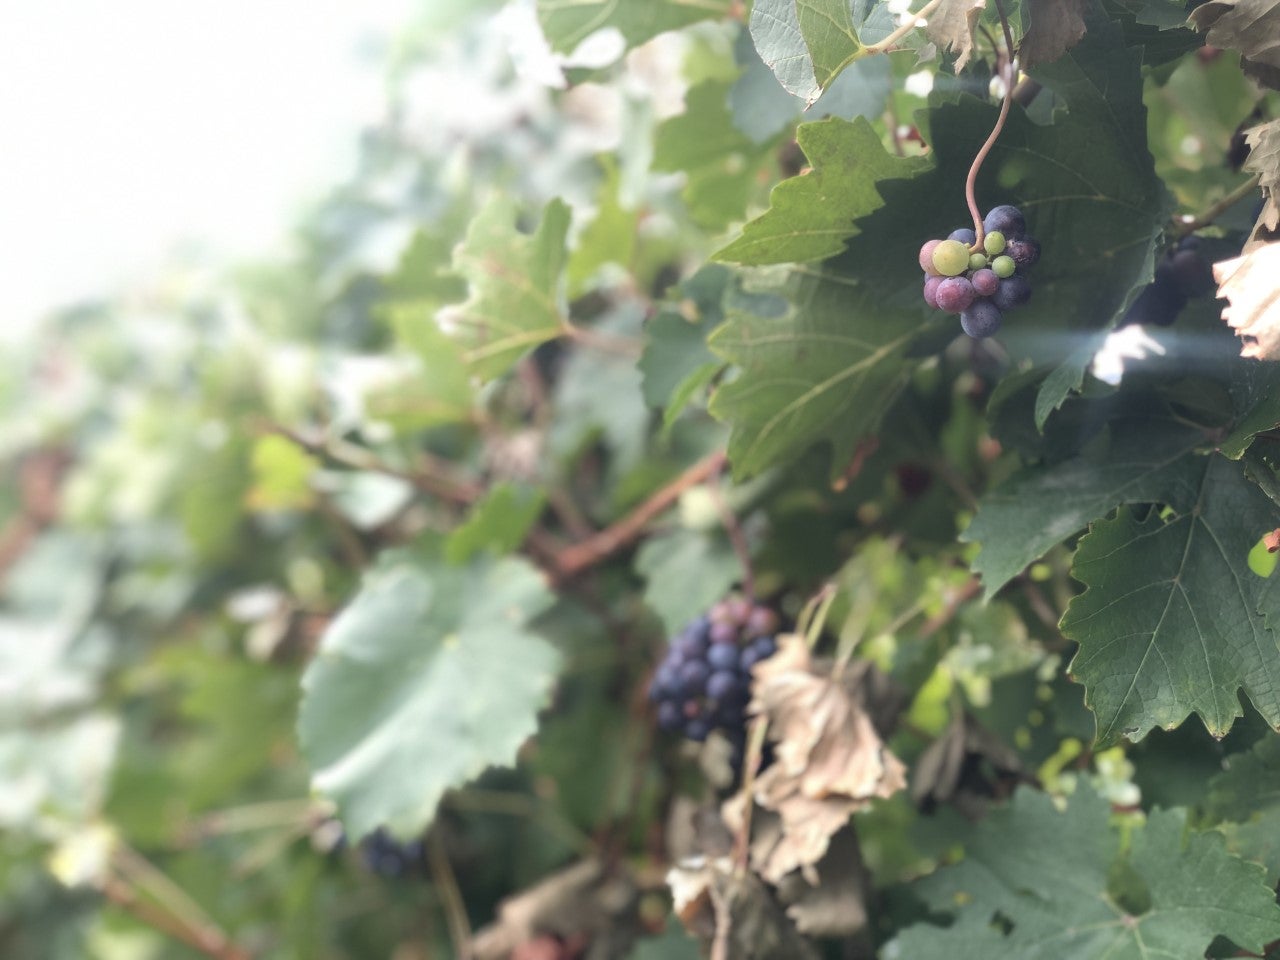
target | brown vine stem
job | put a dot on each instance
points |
(576, 558)
(1184, 227)
(915, 20)
(970, 184)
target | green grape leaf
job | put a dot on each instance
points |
(825, 367)
(424, 274)
(498, 523)
(676, 357)
(282, 473)
(811, 216)
(719, 160)
(1055, 27)
(442, 393)
(1049, 877)
(1250, 782)
(829, 34)
(514, 280)
(568, 22)
(1250, 26)
(1255, 394)
(428, 676)
(611, 235)
(1164, 14)
(685, 572)
(809, 43)
(951, 27)
(1172, 618)
(1146, 461)
(775, 30)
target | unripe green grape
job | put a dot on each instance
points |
(977, 261)
(951, 258)
(1003, 267)
(993, 242)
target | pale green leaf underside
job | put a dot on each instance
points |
(568, 22)
(426, 678)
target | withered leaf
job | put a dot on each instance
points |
(951, 27)
(1250, 26)
(836, 906)
(1249, 284)
(967, 767)
(1264, 160)
(1056, 26)
(829, 759)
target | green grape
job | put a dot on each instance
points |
(993, 242)
(1003, 267)
(951, 258)
(977, 261)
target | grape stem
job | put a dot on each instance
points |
(970, 184)
(1189, 225)
(913, 20)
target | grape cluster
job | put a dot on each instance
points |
(1182, 274)
(388, 857)
(704, 682)
(981, 281)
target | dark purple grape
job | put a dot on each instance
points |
(690, 644)
(722, 656)
(693, 678)
(723, 684)
(931, 290)
(985, 282)
(765, 647)
(697, 729)
(386, 856)
(723, 632)
(670, 717)
(965, 235)
(982, 319)
(761, 621)
(955, 294)
(1008, 220)
(666, 680)
(1158, 305)
(1193, 274)
(1024, 251)
(1013, 292)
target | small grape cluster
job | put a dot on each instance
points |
(981, 281)
(388, 857)
(704, 681)
(1182, 274)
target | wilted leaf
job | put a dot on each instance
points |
(967, 766)
(1250, 26)
(1056, 26)
(830, 761)
(515, 286)
(836, 905)
(1249, 284)
(951, 27)
(1192, 888)
(427, 677)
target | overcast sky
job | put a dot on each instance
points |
(128, 126)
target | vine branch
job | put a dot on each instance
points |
(971, 182)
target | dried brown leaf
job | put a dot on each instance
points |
(1250, 26)
(951, 27)
(967, 766)
(836, 906)
(1264, 160)
(1056, 26)
(829, 759)
(1249, 284)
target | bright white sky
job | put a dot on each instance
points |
(127, 126)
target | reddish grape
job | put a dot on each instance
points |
(926, 257)
(985, 282)
(954, 294)
(931, 290)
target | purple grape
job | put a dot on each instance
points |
(1158, 305)
(1006, 219)
(1192, 273)
(697, 729)
(693, 678)
(670, 717)
(1014, 292)
(723, 684)
(931, 290)
(761, 621)
(982, 319)
(955, 294)
(724, 632)
(1024, 251)
(965, 235)
(765, 647)
(985, 282)
(722, 656)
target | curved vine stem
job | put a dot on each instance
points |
(970, 184)
(913, 20)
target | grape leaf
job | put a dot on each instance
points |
(611, 235)
(427, 677)
(775, 30)
(676, 360)
(1250, 26)
(826, 369)
(808, 43)
(443, 392)
(1172, 618)
(685, 572)
(423, 274)
(811, 216)
(568, 22)
(1044, 874)
(951, 27)
(497, 523)
(1146, 461)
(1164, 14)
(828, 30)
(514, 279)
(1056, 26)
(1244, 800)
(1255, 394)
